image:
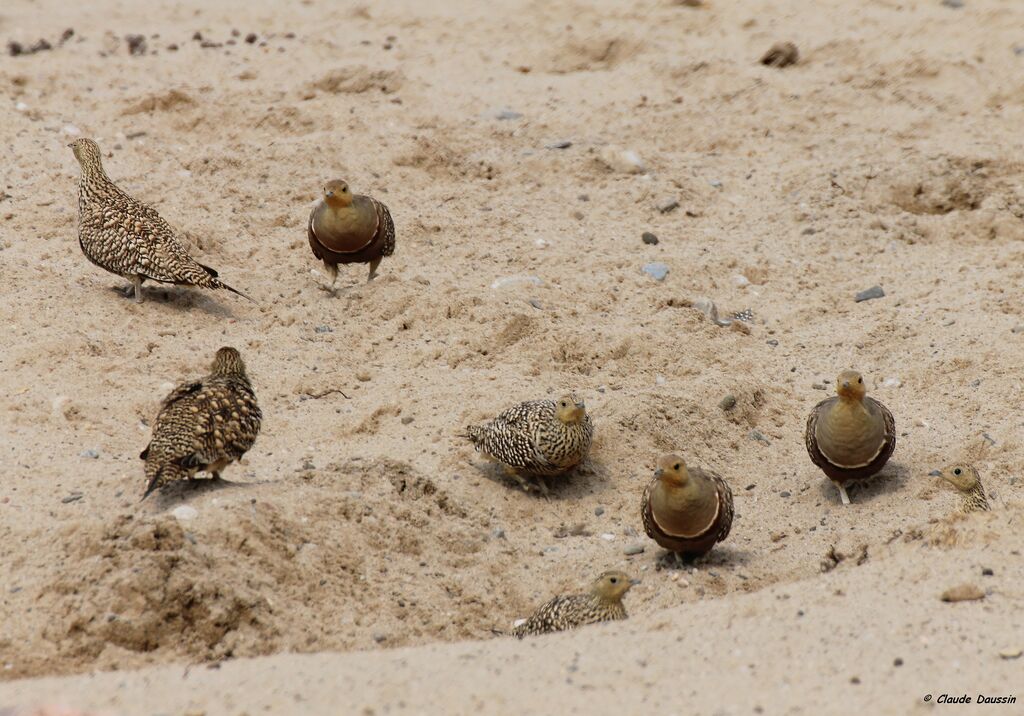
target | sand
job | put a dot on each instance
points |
(364, 555)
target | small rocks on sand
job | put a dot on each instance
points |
(136, 44)
(954, 4)
(781, 54)
(648, 238)
(656, 270)
(561, 144)
(184, 513)
(622, 160)
(1010, 654)
(869, 294)
(963, 593)
(728, 402)
(633, 549)
(506, 115)
(507, 281)
(667, 205)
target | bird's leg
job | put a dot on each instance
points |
(373, 268)
(542, 486)
(520, 480)
(137, 284)
(842, 494)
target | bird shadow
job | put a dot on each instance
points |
(178, 298)
(893, 478)
(182, 491)
(583, 480)
(719, 556)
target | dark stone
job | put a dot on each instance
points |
(867, 295)
(648, 238)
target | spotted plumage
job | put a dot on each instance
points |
(850, 436)
(538, 437)
(128, 238)
(347, 228)
(603, 603)
(684, 509)
(967, 481)
(203, 425)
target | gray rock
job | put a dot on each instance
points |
(648, 238)
(1017, 329)
(91, 453)
(498, 533)
(759, 436)
(728, 402)
(667, 205)
(561, 144)
(73, 497)
(378, 637)
(867, 295)
(715, 183)
(1018, 50)
(323, 329)
(516, 280)
(507, 114)
(657, 270)
(784, 493)
(407, 419)
(598, 511)
(772, 342)
(633, 549)
(136, 44)
(955, 4)
(536, 304)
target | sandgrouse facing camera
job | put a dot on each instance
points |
(967, 481)
(203, 425)
(850, 436)
(347, 228)
(128, 238)
(538, 438)
(686, 510)
(603, 603)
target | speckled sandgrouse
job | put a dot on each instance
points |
(603, 603)
(686, 510)
(537, 438)
(347, 228)
(128, 238)
(203, 425)
(850, 436)
(967, 481)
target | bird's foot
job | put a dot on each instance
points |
(842, 494)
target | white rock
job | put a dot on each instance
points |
(659, 380)
(184, 512)
(21, 106)
(518, 622)
(741, 280)
(516, 280)
(608, 536)
(622, 160)
(540, 243)
(184, 173)
(891, 383)
(71, 130)
(166, 386)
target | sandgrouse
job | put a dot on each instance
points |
(603, 603)
(537, 438)
(203, 425)
(686, 510)
(347, 228)
(850, 436)
(967, 481)
(128, 238)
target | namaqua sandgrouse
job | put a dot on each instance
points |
(128, 238)
(203, 425)
(538, 438)
(603, 603)
(967, 481)
(850, 436)
(347, 228)
(686, 510)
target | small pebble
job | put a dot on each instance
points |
(622, 160)
(598, 511)
(740, 280)
(251, 38)
(728, 402)
(515, 280)
(648, 238)
(1010, 653)
(659, 380)
(507, 114)
(784, 493)
(540, 243)
(71, 130)
(184, 512)
(759, 436)
(607, 536)
(562, 144)
(897, 661)
(986, 572)
(633, 549)
(535, 303)
(1017, 329)
(867, 295)
(891, 383)
(657, 270)
(772, 342)
(955, 4)
(716, 183)
(963, 593)
(323, 329)
(407, 419)
(378, 637)
(1018, 50)
(73, 497)
(136, 44)
(667, 205)
(781, 54)
(498, 533)
(91, 453)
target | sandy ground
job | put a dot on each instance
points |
(365, 553)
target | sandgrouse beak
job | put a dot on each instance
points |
(659, 472)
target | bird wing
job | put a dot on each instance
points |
(810, 440)
(386, 226)
(725, 507)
